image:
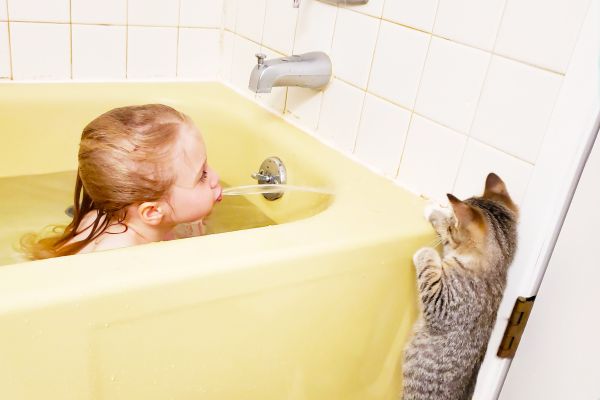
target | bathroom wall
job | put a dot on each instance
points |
(109, 39)
(433, 94)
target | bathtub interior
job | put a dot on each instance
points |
(41, 133)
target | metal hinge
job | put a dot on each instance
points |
(516, 326)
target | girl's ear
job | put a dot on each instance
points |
(151, 212)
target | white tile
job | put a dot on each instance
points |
(541, 32)
(303, 107)
(199, 53)
(473, 22)
(40, 51)
(451, 83)
(353, 46)
(381, 134)
(275, 100)
(4, 51)
(143, 47)
(479, 160)
(244, 60)
(98, 52)
(314, 31)
(39, 10)
(340, 114)
(227, 56)
(99, 12)
(3, 8)
(431, 158)
(280, 26)
(229, 14)
(250, 19)
(373, 8)
(515, 107)
(153, 12)
(398, 63)
(201, 13)
(418, 14)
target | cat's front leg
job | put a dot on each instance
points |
(428, 265)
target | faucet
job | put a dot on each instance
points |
(309, 70)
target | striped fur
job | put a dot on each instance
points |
(460, 294)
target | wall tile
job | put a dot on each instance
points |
(373, 8)
(99, 12)
(98, 52)
(201, 13)
(473, 22)
(479, 160)
(229, 14)
(398, 63)
(541, 32)
(340, 114)
(3, 9)
(4, 51)
(250, 19)
(199, 53)
(280, 26)
(431, 158)
(515, 107)
(227, 55)
(151, 52)
(40, 51)
(153, 12)
(418, 14)
(353, 46)
(451, 83)
(303, 107)
(314, 31)
(244, 59)
(39, 10)
(381, 134)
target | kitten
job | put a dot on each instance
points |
(460, 293)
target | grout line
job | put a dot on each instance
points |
(10, 52)
(413, 113)
(330, 82)
(126, 39)
(71, 39)
(177, 44)
(366, 90)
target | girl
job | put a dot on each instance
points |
(142, 170)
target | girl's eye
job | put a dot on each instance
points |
(204, 176)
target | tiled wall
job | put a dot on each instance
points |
(433, 94)
(110, 39)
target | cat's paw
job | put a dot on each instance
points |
(425, 256)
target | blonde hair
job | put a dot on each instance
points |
(122, 154)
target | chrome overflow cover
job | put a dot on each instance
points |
(271, 172)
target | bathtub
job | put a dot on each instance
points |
(317, 305)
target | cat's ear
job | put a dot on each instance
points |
(464, 213)
(494, 186)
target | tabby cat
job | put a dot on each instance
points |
(460, 293)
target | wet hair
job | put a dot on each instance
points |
(122, 158)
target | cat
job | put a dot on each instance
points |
(460, 293)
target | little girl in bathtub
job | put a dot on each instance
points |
(142, 171)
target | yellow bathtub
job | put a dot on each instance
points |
(316, 304)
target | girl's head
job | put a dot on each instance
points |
(147, 162)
